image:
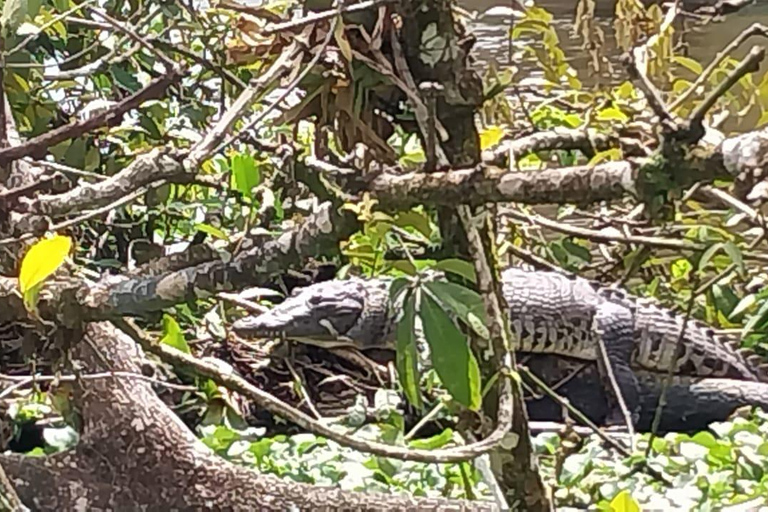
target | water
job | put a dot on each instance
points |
(703, 42)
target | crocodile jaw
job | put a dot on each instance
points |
(319, 315)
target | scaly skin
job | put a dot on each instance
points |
(692, 403)
(549, 313)
(558, 320)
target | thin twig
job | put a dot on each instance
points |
(754, 30)
(208, 145)
(581, 417)
(276, 406)
(321, 16)
(20, 381)
(597, 236)
(110, 117)
(87, 215)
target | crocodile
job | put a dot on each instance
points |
(549, 313)
(692, 403)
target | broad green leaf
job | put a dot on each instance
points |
(491, 136)
(577, 250)
(624, 502)
(42, 260)
(462, 268)
(245, 174)
(125, 78)
(396, 287)
(417, 220)
(463, 302)
(173, 335)
(407, 355)
(452, 359)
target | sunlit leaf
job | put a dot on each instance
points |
(743, 306)
(434, 442)
(624, 502)
(612, 114)
(212, 230)
(245, 174)
(173, 335)
(42, 260)
(491, 136)
(688, 63)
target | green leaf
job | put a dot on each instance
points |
(577, 250)
(463, 302)
(434, 442)
(211, 230)
(461, 268)
(173, 335)
(624, 502)
(451, 357)
(245, 174)
(706, 257)
(407, 355)
(491, 136)
(736, 257)
(759, 318)
(417, 220)
(612, 114)
(125, 78)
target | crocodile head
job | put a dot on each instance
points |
(353, 312)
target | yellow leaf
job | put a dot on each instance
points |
(490, 137)
(42, 260)
(624, 502)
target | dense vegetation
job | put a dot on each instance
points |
(165, 140)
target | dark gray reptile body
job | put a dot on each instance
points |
(692, 403)
(554, 317)
(549, 313)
